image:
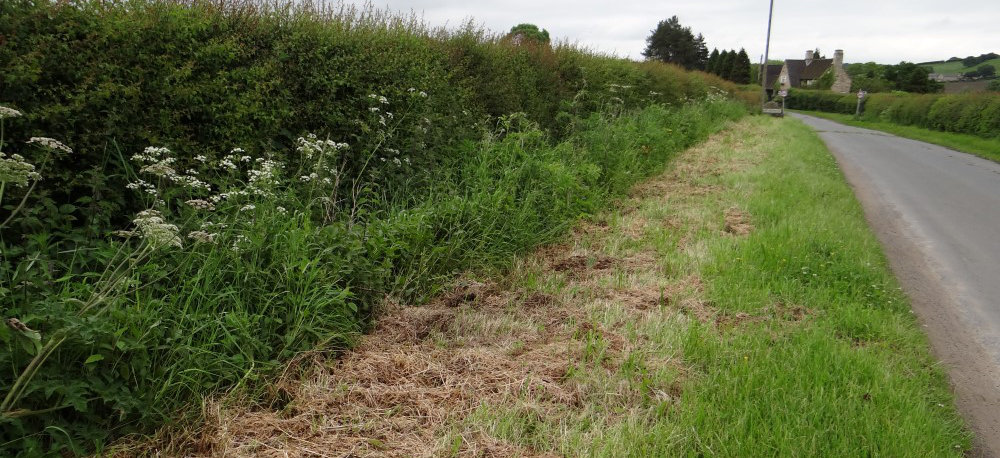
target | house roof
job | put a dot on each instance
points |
(798, 70)
(773, 71)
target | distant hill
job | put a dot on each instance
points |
(958, 66)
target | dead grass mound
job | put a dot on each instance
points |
(737, 222)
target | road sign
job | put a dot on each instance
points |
(783, 93)
(862, 94)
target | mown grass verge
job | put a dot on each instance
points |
(986, 148)
(736, 305)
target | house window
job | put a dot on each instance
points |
(784, 79)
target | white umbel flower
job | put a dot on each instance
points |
(50, 143)
(16, 170)
(8, 112)
(155, 231)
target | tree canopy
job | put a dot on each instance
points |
(673, 43)
(905, 76)
(522, 32)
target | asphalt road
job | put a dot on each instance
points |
(937, 213)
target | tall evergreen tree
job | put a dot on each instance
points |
(702, 49)
(713, 61)
(740, 72)
(673, 43)
(726, 64)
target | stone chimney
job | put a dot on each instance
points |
(809, 56)
(838, 58)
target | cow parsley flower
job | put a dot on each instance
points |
(7, 112)
(379, 99)
(50, 143)
(155, 230)
(201, 236)
(200, 204)
(16, 170)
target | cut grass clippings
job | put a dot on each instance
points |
(986, 148)
(736, 305)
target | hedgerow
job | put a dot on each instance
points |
(973, 113)
(243, 183)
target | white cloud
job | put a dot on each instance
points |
(886, 31)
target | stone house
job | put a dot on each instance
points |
(805, 72)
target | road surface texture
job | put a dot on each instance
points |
(937, 213)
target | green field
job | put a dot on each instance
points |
(957, 66)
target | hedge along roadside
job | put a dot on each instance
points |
(114, 336)
(202, 302)
(202, 77)
(974, 113)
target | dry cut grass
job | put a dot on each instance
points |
(510, 366)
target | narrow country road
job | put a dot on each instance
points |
(937, 213)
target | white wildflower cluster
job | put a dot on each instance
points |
(200, 204)
(248, 207)
(382, 118)
(16, 170)
(208, 225)
(414, 90)
(151, 226)
(324, 155)
(715, 94)
(159, 161)
(202, 236)
(239, 243)
(143, 186)
(264, 177)
(50, 144)
(7, 112)
(618, 87)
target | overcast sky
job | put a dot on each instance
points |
(884, 31)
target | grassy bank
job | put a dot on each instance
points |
(736, 305)
(987, 148)
(229, 184)
(209, 292)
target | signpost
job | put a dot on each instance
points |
(861, 98)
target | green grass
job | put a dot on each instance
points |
(987, 148)
(855, 376)
(958, 67)
(791, 340)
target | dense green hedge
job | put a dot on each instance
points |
(462, 149)
(976, 114)
(110, 77)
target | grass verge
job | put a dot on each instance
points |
(986, 148)
(736, 305)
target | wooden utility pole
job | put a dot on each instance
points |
(767, 49)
